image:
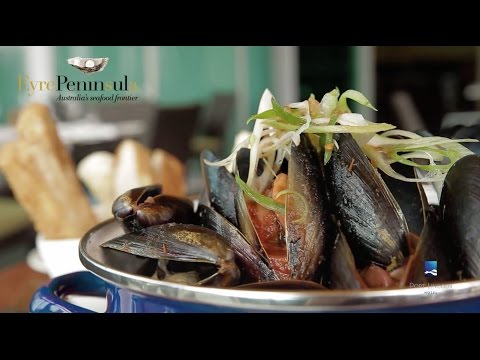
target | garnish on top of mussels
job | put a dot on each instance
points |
(301, 200)
(277, 127)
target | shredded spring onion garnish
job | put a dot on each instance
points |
(266, 201)
(433, 154)
(276, 129)
(302, 218)
(271, 203)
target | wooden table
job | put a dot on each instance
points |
(17, 285)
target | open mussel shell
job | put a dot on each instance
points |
(370, 218)
(225, 197)
(242, 164)
(408, 196)
(250, 261)
(220, 187)
(182, 243)
(145, 206)
(343, 272)
(245, 222)
(460, 207)
(165, 209)
(122, 261)
(309, 229)
(126, 203)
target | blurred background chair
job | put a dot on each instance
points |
(169, 128)
(173, 129)
(213, 125)
(141, 115)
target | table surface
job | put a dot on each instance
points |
(17, 285)
(84, 132)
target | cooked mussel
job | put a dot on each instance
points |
(370, 218)
(224, 200)
(293, 241)
(145, 206)
(343, 271)
(245, 224)
(309, 230)
(460, 207)
(183, 243)
(253, 266)
(408, 196)
(220, 187)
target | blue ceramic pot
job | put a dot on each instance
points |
(49, 299)
(111, 276)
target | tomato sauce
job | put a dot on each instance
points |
(270, 234)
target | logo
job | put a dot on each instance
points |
(112, 90)
(430, 268)
(88, 65)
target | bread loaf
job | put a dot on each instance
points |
(131, 167)
(42, 177)
(170, 172)
(136, 166)
(96, 172)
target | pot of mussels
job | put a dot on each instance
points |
(317, 210)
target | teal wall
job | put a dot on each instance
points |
(259, 74)
(190, 74)
(11, 64)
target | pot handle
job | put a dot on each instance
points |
(49, 298)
